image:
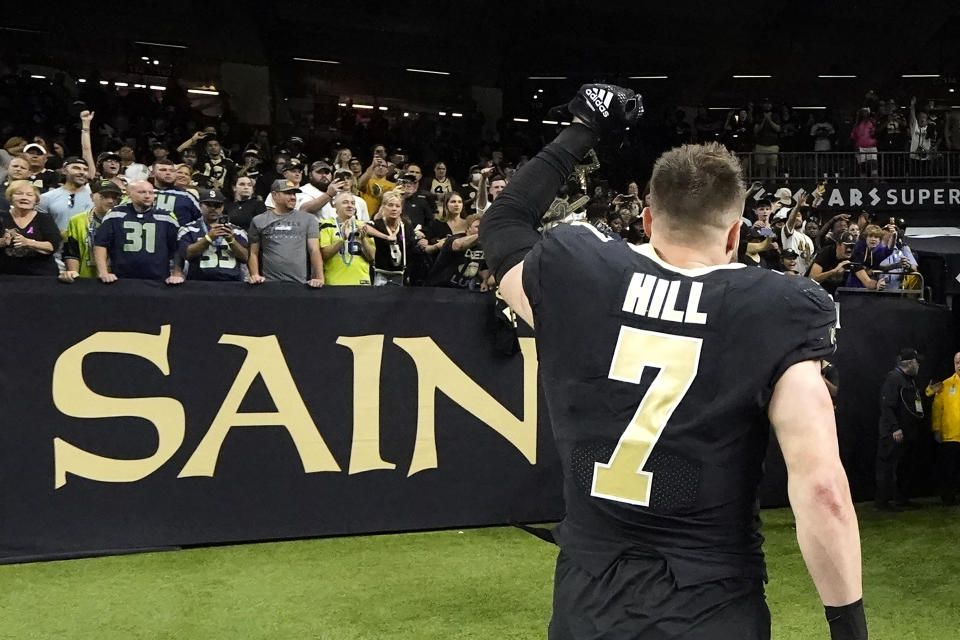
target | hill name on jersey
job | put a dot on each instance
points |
(656, 298)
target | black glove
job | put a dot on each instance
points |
(606, 107)
(847, 622)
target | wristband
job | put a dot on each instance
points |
(208, 238)
(230, 241)
(847, 622)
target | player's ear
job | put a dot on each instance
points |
(733, 236)
(647, 222)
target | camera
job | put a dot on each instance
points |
(223, 219)
(852, 266)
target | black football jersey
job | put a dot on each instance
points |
(657, 381)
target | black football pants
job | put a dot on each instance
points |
(638, 599)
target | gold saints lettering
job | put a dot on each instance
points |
(435, 372)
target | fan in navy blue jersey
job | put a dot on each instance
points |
(213, 248)
(661, 404)
(171, 198)
(139, 239)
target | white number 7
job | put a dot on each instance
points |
(622, 478)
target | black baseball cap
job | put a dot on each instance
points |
(108, 155)
(847, 238)
(211, 195)
(293, 164)
(106, 186)
(75, 160)
(789, 253)
(907, 354)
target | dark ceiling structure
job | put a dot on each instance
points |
(699, 46)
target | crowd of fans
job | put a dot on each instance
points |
(159, 197)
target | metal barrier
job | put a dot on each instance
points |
(920, 292)
(943, 166)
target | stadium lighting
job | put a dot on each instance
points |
(363, 106)
(383, 108)
(546, 77)
(565, 124)
(838, 76)
(722, 108)
(550, 122)
(104, 82)
(436, 73)
(341, 104)
(317, 61)
(157, 87)
(139, 86)
(39, 77)
(442, 113)
(406, 114)
(456, 115)
(120, 84)
(520, 120)
(147, 58)
(539, 90)
(648, 77)
(747, 77)
(160, 44)
(811, 108)
(920, 75)
(203, 92)
(81, 79)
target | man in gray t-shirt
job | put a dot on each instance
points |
(280, 240)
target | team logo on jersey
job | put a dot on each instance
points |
(601, 99)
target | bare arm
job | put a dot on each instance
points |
(253, 260)
(316, 260)
(368, 173)
(464, 243)
(189, 143)
(791, 224)
(482, 191)
(331, 250)
(802, 417)
(866, 280)
(511, 289)
(86, 147)
(817, 273)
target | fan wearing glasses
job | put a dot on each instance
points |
(72, 198)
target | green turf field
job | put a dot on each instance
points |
(481, 583)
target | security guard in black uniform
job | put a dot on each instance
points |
(901, 416)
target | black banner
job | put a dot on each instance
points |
(140, 416)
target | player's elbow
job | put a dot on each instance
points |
(828, 496)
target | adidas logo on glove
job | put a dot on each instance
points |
(601, 99)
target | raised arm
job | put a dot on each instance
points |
(509, 230)
(86, 147)
(194, 139)
(482, 189)
(802, 417)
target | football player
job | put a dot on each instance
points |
(661, 403)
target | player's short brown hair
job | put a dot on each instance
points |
(696, 185)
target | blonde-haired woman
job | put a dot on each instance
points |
(395, 241)
(30, 237)
(342, 160)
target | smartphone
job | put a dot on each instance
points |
(224, 219)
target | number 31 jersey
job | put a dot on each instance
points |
(657, 381)
(139, 244)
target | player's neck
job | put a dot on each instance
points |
(689, 257)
